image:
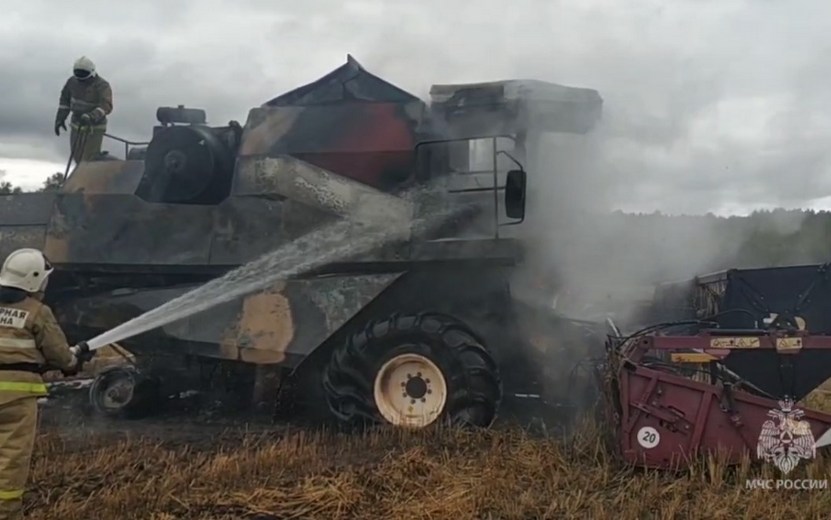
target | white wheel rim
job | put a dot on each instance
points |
(410, 391)
(118, 393)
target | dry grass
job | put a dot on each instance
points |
(503, 473)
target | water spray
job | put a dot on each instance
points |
(339, 240)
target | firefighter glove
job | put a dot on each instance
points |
(72, 371)
(83, 353)
(86, 119)
(58, 125)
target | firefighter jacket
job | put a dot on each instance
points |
(30, 339)
(93, 96)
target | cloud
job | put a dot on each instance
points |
(708, 104)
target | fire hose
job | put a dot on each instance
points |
(77, 145)
(84, 353)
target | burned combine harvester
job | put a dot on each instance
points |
(417, 331)
(724, 370)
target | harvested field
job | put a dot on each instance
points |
(171, 469)
(189, 472)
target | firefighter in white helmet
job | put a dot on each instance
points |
(89, 98)
(31, 342)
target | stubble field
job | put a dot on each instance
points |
(180, 471)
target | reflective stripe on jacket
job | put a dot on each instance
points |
(29, 334)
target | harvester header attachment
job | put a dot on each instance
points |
(674, 398)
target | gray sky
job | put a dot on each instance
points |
(709, 105)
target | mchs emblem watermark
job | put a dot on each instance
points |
(784, 441)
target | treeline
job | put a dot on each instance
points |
(764, 238)
(649, 248)
(50, 184)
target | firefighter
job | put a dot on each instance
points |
(89, 98)
(31, 342)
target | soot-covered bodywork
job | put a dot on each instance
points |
(198, 201)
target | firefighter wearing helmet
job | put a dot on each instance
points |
(89, 98)
(31, 342)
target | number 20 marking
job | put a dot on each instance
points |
(648, 437)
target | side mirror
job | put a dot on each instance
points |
(515, 194)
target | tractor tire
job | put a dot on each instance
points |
(413, 371)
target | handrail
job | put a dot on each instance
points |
(127, 143)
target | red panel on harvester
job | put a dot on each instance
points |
(666, 419)
(349, 122)
(369, 142)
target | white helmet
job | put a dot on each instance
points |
(26, 269)
(83, 68)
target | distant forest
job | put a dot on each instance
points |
(621, 248)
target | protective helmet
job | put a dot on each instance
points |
(83, 68)
(26, 269)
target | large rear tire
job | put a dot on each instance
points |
(413, 371)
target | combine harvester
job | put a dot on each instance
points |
(411, 334)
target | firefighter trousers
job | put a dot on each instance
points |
(18, 426)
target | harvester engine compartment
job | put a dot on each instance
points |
(189, 162)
